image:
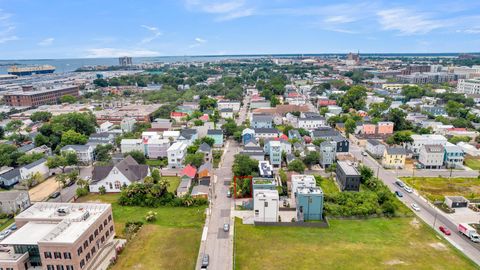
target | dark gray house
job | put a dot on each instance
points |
(343, 145)
(348, 177)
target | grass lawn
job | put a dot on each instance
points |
(171, 242)
(154, 162)
(435, 188)
(174, 182)
(328, 186)
(472, 163)
(6, 222)
(399, 243)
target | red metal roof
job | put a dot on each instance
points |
(189, 171)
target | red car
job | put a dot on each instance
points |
(444, 230)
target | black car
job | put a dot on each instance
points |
(70, 183)
(55, 195)
(398, 193)
(399, 183)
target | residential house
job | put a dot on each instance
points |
(102, 138)
(14, 202)
(264, 133)
(294, 134)
(105, 127)
(229, 104)
(343, 144)
(84, 152)
(454, 156)
(324, 133)
(421, 140)
(261, 121)
(366, 128)
(347, 176)
(128, 124)
(156, 148)
(205, 171)
(334, 109)
(200, 191)
(146, 135)
(394, 158)
(434, 110)
(184, 187)
(226, 113)
(161, 124)
(39, 166)
(248, 135)
(431, 156)
(206, 150)
(309, 202)
(114, 177)
(188, 135)
(189, 171)
(41, 149)
(469, 149)
(26, 148)
(375, 148)
(176, 153)
(179, 117)
(256, 104)
(253, 151)
(275, 153)
(171, 135)
(217, 135)
(328, 150)
(9, 177)
(385, 128)
(311, 123)
(130, 145)
(265, 205)
(300, 181)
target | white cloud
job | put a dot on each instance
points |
(116, 52)
(407, 22)
(198, 42)
(46, 42)
(224, 10)
(7, 28)
(155, 33)
(339, 19)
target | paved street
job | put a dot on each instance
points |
(429, 214)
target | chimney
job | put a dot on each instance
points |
(27, 88)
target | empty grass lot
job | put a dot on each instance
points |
(472, 163)
(171, 242)
(399, 243)
(436, 188)
(174, 182)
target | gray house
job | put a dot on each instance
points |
(375, 148)
(261, 121)
(348, 177)
(14, 201)
(328, 151)
(9, 177)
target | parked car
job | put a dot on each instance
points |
(444, 230)
(400, 183)
(415, 207)
(364, 153)
(55, 195)
(70, 183)
(398, 193)
(13, 227)
(4, 234)
(229, 194)
(408, 189)
(226, 227)
(205, 261)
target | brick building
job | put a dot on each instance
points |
(29, 97)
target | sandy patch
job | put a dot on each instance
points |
(43, 190)
(438, 246)
(415, 223)
(394, 262)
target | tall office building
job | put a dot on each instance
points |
(125, 61)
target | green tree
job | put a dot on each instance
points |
(71, 137)
(354, 98)
(41, 116)
(194, 159)
(156, 176)
(68, 99)
(229, 127)
(13, 126)
(243, 165)
(412, 92)
(137, 155)
(9, 155)
(29, 158)
(311, 158)
(398, 117)
(2, 133)
(350, 126)
(40, 140)
(102, 152)
(296, 166)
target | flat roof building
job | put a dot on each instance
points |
(28, 97)
(347, 176)
(59, 236)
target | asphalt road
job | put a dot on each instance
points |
(428, 213)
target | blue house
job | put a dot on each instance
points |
(217, 135)
(261, 121)
(248, 135)
(309, 203)
(454, 156)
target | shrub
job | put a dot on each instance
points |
(151, 216)
(81, 192)
(102, 190)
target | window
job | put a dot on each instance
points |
(50, 267)
(79, 251)
(90, 238)
(67, 255)
(111, 186)
(69, 267)
(85, 244)
(94, 250)
(266, 204)
(107, 234)
(96, 233)
(57, 255)
(103, 239)
(88, 257)
(111, 228)
(105, 222)
(82, 263)
(60, 267)
(117, 184)
(100, 228)
(109, 217)
(47, 255)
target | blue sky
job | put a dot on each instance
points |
(31, 29)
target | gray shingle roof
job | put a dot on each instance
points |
(35, 163)
(204, 148)
(214, 132)
(128, 167)
(265, 130)
(11, 174)
(396, 151)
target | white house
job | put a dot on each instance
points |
(375, 148)
(147, 135)
(265, 205)
(265, 133)
(311, 123)
(84, 152)
(171, 134)
(104, 127)
(229, 104)
(127, 124)
(129, 145)
(176, 153)
(421, 140)
(226, 113)
(431, 156)
(155, 148)
(113, 177)
(302, 181)
(39, 166)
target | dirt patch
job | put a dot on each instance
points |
(415, 223)
(394, 262)
(43, 190)
(439, 246)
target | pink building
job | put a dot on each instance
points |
(385, 128)
(369, 128)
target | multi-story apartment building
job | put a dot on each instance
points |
(84, 152)
(348, 177)
(328, 151)
(421, 140)
(311, 123)
(29, 97)
(454, 156)
(176, 153)
(261, 121)
(229, 104)
(275, 153)
(431, 156)
(64, 236)
(155, 148)
(470, 86)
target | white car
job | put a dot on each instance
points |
(408, 189)
(415, 207)
(364, 153)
